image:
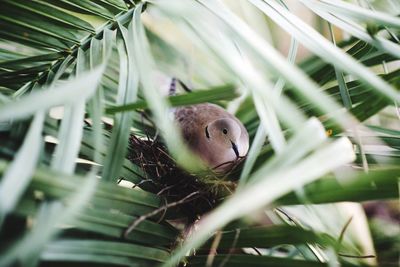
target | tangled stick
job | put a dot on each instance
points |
(136, 222)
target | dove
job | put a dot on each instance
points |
(215, 135)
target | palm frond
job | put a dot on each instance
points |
(80, 79)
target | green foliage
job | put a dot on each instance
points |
(78, 78)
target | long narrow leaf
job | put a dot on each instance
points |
(78, 88)
(127, 92)
(16, 179)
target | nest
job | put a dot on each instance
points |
(191, 195)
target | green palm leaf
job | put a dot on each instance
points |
(85, 79)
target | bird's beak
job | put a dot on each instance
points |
(235, 148)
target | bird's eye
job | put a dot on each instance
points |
(225, 131)
(207, 133)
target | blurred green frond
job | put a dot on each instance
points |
(79, 80)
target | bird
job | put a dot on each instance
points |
(213, 134)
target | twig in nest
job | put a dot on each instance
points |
(208, 201)
(142, 182)
(231, 250)
(135, 223)
(164, 212)
(346, 225)
(213, 249)
(234, 164)
(165, 189)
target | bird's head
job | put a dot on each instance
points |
(224, 136)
